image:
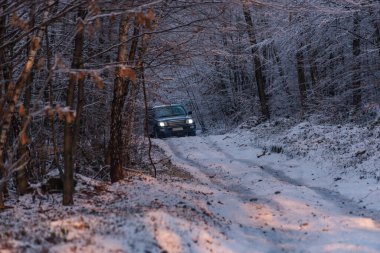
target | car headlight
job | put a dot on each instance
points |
(162, 124)
(189, 121)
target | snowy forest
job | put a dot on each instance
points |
(77, 79)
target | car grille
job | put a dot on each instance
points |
(176, 123)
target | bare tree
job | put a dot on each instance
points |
(356, 82)
(17, 89)
(301, 78)
(120, 92)
(69, 131)
(260, 79)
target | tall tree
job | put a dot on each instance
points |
(258, 67)
(356, 81)
(115, 146)
(16, 92)
(69, 134)
(134, 90)
(21, 179)
(301, 78)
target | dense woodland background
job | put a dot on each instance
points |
(76, 76)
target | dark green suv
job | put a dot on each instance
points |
(170, 120)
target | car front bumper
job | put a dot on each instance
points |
(177, 131)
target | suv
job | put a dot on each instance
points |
(169, 120)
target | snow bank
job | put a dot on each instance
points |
(348, 148)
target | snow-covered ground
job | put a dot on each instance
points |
(221, 193)
(343, 158)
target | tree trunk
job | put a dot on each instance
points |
(260, 79)
(376, 25)
(301, 79)
(7, 76)
(131, 103)
(80, 95)
(281, 71)
(2, 205)
(313, 68)
(79, 110)
(115, 147)
(50, 99)
(3, 60)
(356, 82)
(131, 111)
(21, 179)
(68, 145)
(141, 69)
(19, 86)
(377, 36)
(6, 86)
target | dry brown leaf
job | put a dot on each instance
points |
(128, 72)
(81, 225)
(24, 138)
(98, 81)
(22, 111)
(140, 18)
(112, 18)
(148, 24)
(150, 15)
(80, 25)
(49, 111)
(81, 75)
(16, 21)
(35, 43)
(70, 117)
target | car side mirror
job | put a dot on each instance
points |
(189, 112)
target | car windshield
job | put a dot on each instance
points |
(169, 111)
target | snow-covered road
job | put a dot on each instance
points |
(263, 205)
(215, 193)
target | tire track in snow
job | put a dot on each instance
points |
(279, 240)
(345, 204)
(320, 222)
(243, 193)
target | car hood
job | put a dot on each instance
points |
(181, 117)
